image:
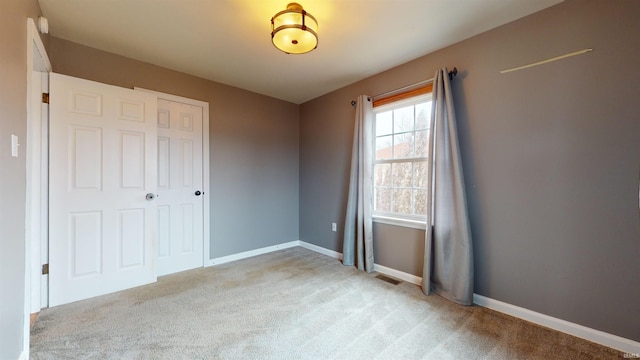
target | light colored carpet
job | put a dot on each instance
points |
(290, 304)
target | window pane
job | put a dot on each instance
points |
(384, 148)
(382, 175)
(403, 119)
(383, 123)
(420, 174)
(403, 146)
(383, 199)
(422, 143)
(423, 114)
(402, 201)
(420, 201)
(402, 174)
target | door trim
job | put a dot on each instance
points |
(35, 201)
(206, 224)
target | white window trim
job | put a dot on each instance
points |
(396, 219)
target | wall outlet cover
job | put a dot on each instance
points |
(14, 145)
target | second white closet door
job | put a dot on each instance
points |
(180, 191)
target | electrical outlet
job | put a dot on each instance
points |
(333, 227)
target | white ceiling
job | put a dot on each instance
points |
(229, 41)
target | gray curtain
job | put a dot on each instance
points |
(358, 238)
(448, 255)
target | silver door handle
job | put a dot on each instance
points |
(150, 196)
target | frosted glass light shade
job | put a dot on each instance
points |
(294, 31)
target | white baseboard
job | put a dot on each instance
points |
(376, 267)
(630, 347)
(410, 278)
(251, 253)
(596, 336)
(24, 355)
(321, 250)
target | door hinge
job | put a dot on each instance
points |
(45, 269)
(45, 98)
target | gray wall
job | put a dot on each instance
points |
(253, 146)
(400, 248)
(13, 120)
(550, 155)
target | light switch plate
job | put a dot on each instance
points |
(14, 145)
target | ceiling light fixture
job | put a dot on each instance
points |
(294, 31)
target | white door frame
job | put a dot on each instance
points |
(205, 163)
(37, 60)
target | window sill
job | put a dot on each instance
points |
(415, 224)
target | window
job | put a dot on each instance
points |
(401, 135)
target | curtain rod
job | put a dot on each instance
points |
(452, 73)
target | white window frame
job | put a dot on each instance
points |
(391, 218)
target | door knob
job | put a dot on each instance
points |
(198, 193)
(150, 196)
